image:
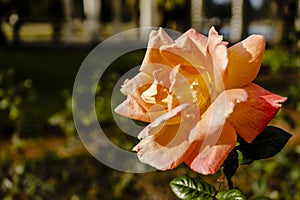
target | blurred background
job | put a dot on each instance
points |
(44, 42)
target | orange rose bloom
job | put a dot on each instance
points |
(197, 95)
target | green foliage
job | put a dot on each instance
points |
(277, 177)
(63, 118)
(233, 194)
(292, 93)
(32, 82)
(280, 74)
(281, 61)
(267, 144)
(18, 101)
(190, 188)
(231, 164)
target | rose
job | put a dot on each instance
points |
(197, 95)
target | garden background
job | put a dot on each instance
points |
(42, 45)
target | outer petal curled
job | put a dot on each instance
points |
(251, 117)
(244, 61)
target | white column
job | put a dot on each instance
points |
(91, 10)
(197, 14)
(236, 22)
(68, 18)
(147, 16)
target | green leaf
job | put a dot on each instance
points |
(231, 164)
(267, 144)
(192, 189)
(234, 194)
(245, 160)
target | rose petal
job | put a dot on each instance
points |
(218, 51)
(251, 117)
(165, 146)
(244, 61)
(208, 161)
(180, 87)
(153, 56)
(135, 107)
(162, 120)
(199, 39)
(158, 91)
(159, 38)
(185, 51)
(132, 109)
(213, 138)
(136, 86)
(215, 116)
(140, 82)
(151, 152)
(189, 85)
